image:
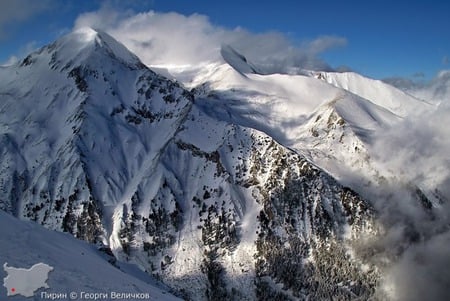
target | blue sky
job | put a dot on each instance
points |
(383, 38)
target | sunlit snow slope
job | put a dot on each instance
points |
(234, 190)
(78, 266)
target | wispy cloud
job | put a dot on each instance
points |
(12, 11)
(416, 151)
(421, 145)
(436, 90)
(173, 38)
(419, 75)
(22, 52)
(10, 61)
(422, 272)
(324, 43)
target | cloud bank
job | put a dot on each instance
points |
(22, 52)
(417, 222)
(436, 91)
(173, 38)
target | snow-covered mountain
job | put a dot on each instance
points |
(77, 266)
(235, 189)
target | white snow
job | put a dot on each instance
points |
(378, 92)
(71, 135)
(78, 266)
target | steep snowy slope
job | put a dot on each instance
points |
(332, 126)
(339, 122)
(378, 92)
(342, 136)
(82, 121)
(221, 188)
(277, 104)
(203, 192)
(78, 266)
(338, 137)
(237, 60)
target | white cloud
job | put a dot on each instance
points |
(421, 145)
(417, 239)
(23, 51)
(324, 43)
(172, 38)
(10, 61)
(422, 272)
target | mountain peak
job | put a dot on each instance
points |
(85, 34)
(237, 60)
(83, 45)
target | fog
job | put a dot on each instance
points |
(416, 241)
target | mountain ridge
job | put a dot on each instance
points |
(225, 191)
